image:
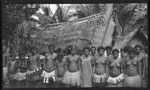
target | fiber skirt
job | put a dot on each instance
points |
(132, 81)
(20, 76)
(47, 75)
(99, 78)
(115, 81)
(72, 79)
(5, 72)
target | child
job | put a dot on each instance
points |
(48, 73)
(60, 70)
(72, 75)
(93, 51)
(100, 69)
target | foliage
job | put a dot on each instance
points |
(12, 16)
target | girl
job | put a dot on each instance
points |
(60, 70)
(48, 73)
(86, 68)
(115, 70)
(100, 69)
(72, 75)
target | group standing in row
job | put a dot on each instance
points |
(90, 67)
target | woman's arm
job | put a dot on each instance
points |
(79, 62)
(121, 66)
(65, 62)
(139, 67)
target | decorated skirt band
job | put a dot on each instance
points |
(47, 75)
(33, 71)
(115, 80)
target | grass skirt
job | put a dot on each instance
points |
(47, 75)
(72, 79)
(132, 81)
(99, 78)
(115, 81)
(20, 76)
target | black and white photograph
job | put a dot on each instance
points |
(85, 45)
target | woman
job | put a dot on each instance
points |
(20, 77)
(115, 70)
(87, 68)
(72, 75)
(100, 69)
(133, 70)
(12, 70)
(33, 75)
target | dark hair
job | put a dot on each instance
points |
(43, 53)
(126, 48)
(138, 46)
(93, 47)
(132, 49)
(146, 49)
(51, 45)
(100, 47)
(73, 46)
(59, 57)
(88, 48)
(115, 50)
(108, 48)
(33, 48)
(58, 50)
(67, 50)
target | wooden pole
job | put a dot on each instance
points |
(107, 25)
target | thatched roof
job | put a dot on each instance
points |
(79, 32)
(93, 30)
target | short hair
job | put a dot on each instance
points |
(60, 56)
(132, 49)
(51, 45)
(115, 50)
(21, 54)
(58, 50)
(126, 48)
(73, 47)
(33, 48)
(100, 47)
(146, 49)
(88, 48)
(138, 46)
(108, 48)
(93, 47)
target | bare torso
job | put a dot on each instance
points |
(12, 66)
(132, 67)
(50, 64)
(115, 67)
(72, 61)
(34, 62)
(60, 69)
(100, 65)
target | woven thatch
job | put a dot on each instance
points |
(82, 32)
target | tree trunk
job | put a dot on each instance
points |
(103, 35)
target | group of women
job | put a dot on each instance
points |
(90, 67)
